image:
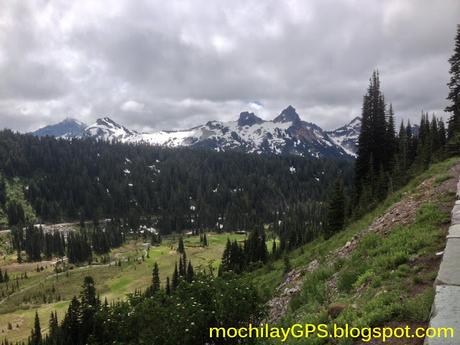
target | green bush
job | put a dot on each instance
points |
(347, 279)
(364, 278)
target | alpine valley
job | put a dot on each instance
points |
(285, 134)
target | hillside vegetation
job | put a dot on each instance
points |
(378, 271)
(14, 194)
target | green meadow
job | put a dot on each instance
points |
(129, 269)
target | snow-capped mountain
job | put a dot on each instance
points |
(109, 130)
(285, 134)
(66, 129)
(347, 136)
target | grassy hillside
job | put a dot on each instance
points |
(379, 270)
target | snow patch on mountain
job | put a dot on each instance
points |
(347, 136)
(108, 130)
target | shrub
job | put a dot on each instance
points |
(364, 278)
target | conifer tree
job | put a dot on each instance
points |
(53, 333)
(71, 326)
(205, 240)
(373, 147)
(180, 247)
(36, 336)
(402, 157)
(175, 278)
(226, 258)
(392, 144)
(454, 93)
(190, 273)
(336, 212)
(2, 192)
(182, 268)
(435, 137)
(442, 133)
(155, 278)
(88, 306)
(168, 286)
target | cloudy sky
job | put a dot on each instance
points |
(176, 64)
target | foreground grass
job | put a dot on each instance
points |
(386, 279)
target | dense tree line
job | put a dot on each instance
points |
(239, 257)
(105, 238)
(300, 224)
(181, 188)
(77, 245)
(387, 160)
(79, 248)
(35, 242)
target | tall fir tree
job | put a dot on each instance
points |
(402, 159)
(36, 336)
(392, 144)
(454, 88)
(190, 274)
(454, 97)
(175, 278)
(180, 246)
(53, 333)
(155, 278)
(88, 307)
(375, 147)
(168, 287)
(336, 211)
(71, 326)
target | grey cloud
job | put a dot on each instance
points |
(163, 65)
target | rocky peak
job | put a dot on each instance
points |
(248, 119)
(288, 115)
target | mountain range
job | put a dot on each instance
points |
(285, 134)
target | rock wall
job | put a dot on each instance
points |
(445, 311)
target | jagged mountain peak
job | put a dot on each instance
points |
(355, 121)
(288, 115)
(107, 121)
(248, 119)
(107, 129)
(347, 136)
(286, 134)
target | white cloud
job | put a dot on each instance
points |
(133, 106)
(174, 64)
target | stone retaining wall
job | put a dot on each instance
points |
(445, 311)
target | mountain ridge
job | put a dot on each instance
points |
(287, 133)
